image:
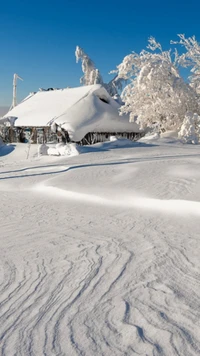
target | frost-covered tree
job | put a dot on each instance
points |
(189, 131)
(93, 76)
(156, 93)
(191, 58)
(96, 77)
(115, 86)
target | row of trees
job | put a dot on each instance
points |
(151, 87)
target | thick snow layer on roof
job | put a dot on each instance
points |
(93, 115)
(41, 108)
(77, 110)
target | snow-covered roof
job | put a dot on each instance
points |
(77, 110)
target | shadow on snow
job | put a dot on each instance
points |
(6, 150)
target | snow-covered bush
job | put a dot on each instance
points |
(189, 131)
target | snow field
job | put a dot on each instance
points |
(100, 252)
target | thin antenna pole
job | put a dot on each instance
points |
(14, 101)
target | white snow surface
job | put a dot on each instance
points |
(77, 110)
(100, 252)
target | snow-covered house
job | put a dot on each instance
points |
(85, 114)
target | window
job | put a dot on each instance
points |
(104, 99)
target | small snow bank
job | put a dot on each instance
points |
(60, 149)
(170, 134)
(72, 149)
(149, 137)
(120, 142)
(189, 133)
(168, 137)
(113, 143)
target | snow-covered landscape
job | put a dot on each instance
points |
(99, 179)
(100, 251)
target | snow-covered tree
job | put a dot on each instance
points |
(191, 58)
(189, 131)
(156, 93)
(91, 74)
(115, 86)
(96, 77)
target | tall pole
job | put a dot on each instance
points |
(14, 100)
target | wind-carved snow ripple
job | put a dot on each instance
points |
(137, 293)
(145, 308)
(47, 310)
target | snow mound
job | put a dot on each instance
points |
(169, 134)
(168, 137)
(61, 149)
(120, 142)
(52, 151)
(113, 138)
(150, 137)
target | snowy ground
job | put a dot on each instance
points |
(100, 252)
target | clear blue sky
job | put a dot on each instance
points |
(38, 38)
